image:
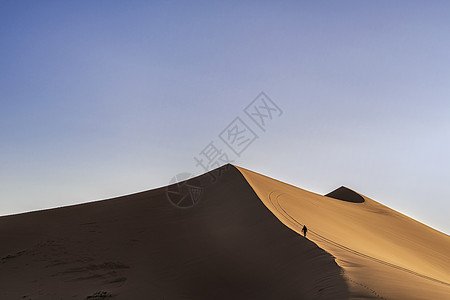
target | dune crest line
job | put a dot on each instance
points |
(297, 223)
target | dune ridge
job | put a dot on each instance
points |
(345, 194)
(240, 239)
(384, 254)
(227, 246)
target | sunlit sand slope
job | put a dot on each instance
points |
(385, 254)
(228, 246)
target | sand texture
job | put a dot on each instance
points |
(385, 255)
(228, 246)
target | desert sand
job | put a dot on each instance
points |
(384, 254)
(240, 241)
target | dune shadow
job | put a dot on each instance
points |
(346, 194)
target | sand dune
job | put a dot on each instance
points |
(384, 254)
(345, 194)
(239, 241)
(228, 246)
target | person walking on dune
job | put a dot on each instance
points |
(304, 230)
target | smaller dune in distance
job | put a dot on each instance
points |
(241, 240)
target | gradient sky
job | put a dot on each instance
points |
(106, 98)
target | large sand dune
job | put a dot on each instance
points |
(240, 241)
(228, 246)
(385, 254)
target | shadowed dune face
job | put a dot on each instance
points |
(239, 241)
(385, 255)
(228, 246)
(346, 194)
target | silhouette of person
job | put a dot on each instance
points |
(304, 230)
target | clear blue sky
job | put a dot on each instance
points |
(104, 98)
